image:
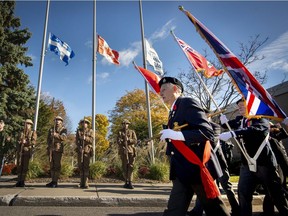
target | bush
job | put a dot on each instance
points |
(97, 169)
(34, 170)
(66, 170)
(8, 168)
(159, 171)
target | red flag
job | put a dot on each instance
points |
(259, 102)
(152, 78)
(104, 49)
(198, 61)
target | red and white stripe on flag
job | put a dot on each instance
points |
(104, 49)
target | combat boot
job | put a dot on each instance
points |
(125, 185)
(130, 186)
(52, 184)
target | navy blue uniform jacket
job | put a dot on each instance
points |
(188, 111)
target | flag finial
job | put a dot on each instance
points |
(181, 7)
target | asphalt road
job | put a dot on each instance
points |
(88, 211)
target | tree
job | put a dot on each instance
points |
(17, 97)
(221, 87)
(132, 106)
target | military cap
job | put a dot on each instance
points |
(125, 121)
(86, 120)
(172, 80)
(59, 118)
(29, 121)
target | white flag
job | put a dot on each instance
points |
(153, 58)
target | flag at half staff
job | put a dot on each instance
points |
(104, 49)
(60, 48)
(259, 101)
(198, 61)
(152, 78)
(153, 58)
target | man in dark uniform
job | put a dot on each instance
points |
(5, 144)
(25, 147)
(126, 148)
(190, 153)
(84, 140)
(55, 140)
(253, 135)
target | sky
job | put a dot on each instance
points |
(118, 22)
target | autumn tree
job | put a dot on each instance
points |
(132, 106)
(17, 96)
(221, 87)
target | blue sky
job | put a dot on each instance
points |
(118, 22)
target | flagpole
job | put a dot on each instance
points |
(216, 105)
(41, 67)
(94, 79)
(146, 84)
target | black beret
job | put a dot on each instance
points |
(172, 80)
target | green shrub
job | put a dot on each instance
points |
(159, 171)
(97, 169)
(34, 170)
(66, 170)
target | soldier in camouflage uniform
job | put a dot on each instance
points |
(5, 144)
(126, 140)
(25, 146)
(55, 140)
(84, 140)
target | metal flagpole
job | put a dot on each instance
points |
(249, 160)
(94, 79)
(146, 84)
(41, 67)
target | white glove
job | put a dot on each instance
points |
(223, 119)
(285, 121)
(171, 134)
(226, 135)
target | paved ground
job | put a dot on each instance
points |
(99, 194)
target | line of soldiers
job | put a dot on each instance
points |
(57, 134)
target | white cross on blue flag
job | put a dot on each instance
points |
(60, 48)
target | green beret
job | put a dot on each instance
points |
(172, 80)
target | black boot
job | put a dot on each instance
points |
(50, 184)
(18, 184)
(125, 185)
(130, 186)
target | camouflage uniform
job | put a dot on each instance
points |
(25, 146)
(5, 145)
(126, 140)
(84, 140)
(55, 140)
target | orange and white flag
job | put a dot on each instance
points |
(104, 49)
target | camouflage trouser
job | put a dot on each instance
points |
(84, 168)
(55, 165)
(22, 167)
(127, 166)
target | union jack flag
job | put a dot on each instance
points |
(259, 102)
(198, 61)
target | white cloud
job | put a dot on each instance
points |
(104, 75)
(163, 32)
(276, 56)
(128, 55)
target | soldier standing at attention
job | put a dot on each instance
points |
(126, 140)
(84, 140)
(25, 146)
(5, 144)
(56, 137)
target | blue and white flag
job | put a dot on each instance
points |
(60, 48)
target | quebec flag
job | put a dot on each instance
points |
(60, 48)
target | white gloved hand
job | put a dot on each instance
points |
(171, 134)
(223, 119)
(285, 121)
(226, 136)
